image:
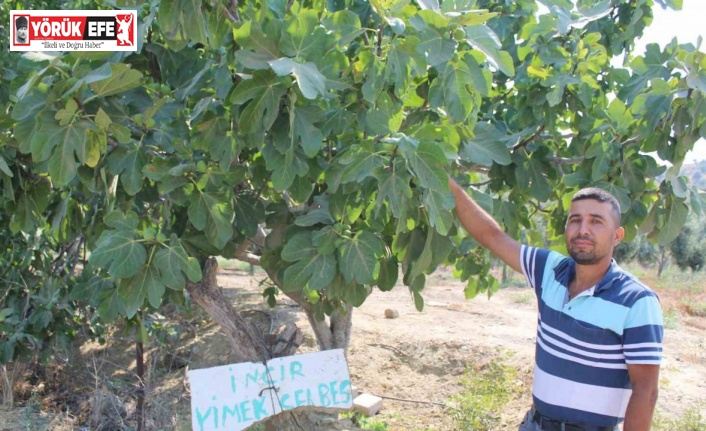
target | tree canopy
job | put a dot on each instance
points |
(314, 138)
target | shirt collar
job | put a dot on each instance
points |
(611, 275)
(587, 292)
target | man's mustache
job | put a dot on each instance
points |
(582, 238)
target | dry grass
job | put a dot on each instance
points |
(681, 293)
(696, 309)
(96, 386)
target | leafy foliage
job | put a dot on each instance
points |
(645, 252)
(689, 248)
(36, 314)
(332, 127)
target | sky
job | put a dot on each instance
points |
(686, 25)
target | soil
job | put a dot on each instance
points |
(414, 361)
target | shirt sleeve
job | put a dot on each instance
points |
(644, 331)
(534, 262)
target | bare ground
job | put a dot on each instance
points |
(414, 361)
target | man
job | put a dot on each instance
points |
(21, 25)
(124, 30)
(599, 333)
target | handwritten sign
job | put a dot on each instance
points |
(236, 396)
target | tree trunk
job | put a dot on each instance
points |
(140, 409)
(6, 385)
(662, 262)
(331, 333)
(250, 345)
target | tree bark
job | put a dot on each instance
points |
(246, 346)
(662, 262)
(249, 345)
(6, 385)
(140, 360)
(333, 333)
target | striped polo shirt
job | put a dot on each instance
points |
(584, 345)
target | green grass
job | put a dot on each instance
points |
(366, 423)
(521, 298)
(671, 319)
(238, 265)
(690, 420)
(672, 278)
(486, 392)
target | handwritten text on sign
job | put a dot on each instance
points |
(234, 397)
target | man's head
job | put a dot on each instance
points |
(21, 27)
(593, 226)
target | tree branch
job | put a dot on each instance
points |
(232, 12)
(528, 139)
(250, 258)
(475, 168)
(246, 346)
(259, 239)
(242, 254)
(379, 42)
(538, 207)
(629, 141)
(155, 72)
(68, 257)
(242, 249)
(567, 160)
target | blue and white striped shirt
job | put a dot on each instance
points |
(584, 345)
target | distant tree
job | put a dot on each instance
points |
(626, 251)
(689, 248)
(649, 253)
(696, 173)
(644, 251)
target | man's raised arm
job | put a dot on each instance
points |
(484, 228)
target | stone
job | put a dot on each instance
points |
(366, 404)
(391, 314)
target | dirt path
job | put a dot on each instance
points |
(420, 356)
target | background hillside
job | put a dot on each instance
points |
(696, 172)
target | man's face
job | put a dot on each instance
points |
(22, 33)
(592, 231)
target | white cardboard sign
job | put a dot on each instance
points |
(233, 397)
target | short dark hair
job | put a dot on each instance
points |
(600, 195)
(21, 22)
